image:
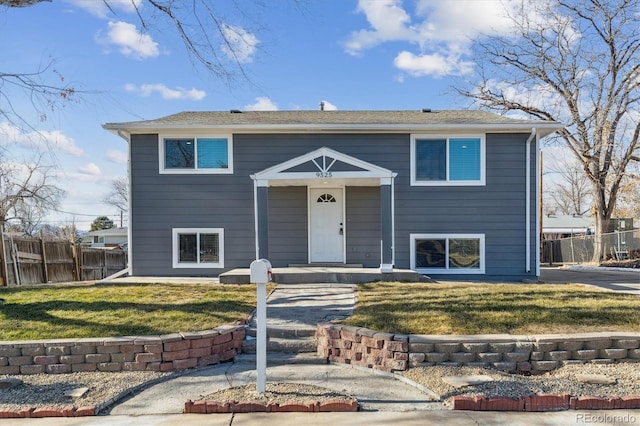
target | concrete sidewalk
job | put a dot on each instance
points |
(412, 418)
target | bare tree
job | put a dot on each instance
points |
(573, 61)
(629, 195)
(27, 192)
(118, 197)
(211, 42)
(44, 87)
(568, 189)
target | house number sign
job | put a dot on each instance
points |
(323, 167)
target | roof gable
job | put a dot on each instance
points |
(323, 163)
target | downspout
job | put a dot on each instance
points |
(528, 201)
(127, 138)
(538, 204)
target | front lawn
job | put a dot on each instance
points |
(106, 310)
(462, 308)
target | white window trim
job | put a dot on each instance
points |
(163, 170)
(175, 247)
(483, 155)
(456, 271)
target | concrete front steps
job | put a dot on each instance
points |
(285, 345)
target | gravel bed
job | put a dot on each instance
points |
(560, 381)
(40, 390)
(279, 393)
(49, 389)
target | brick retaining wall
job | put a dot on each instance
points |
(537, 353)
(167, 352)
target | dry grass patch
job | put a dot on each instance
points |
(105, 310)
(466, 308)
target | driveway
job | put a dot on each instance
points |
(623, 281)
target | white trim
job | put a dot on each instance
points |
(527, 213)
(127, 137)
(447, 182)
(139, 128)
(446, 270)
(195, 171)
(538, 201)
(393, 222)
(278, 172)
(255, 218)
(344, 224)
(175, 248)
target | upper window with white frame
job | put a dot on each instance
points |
(438, 160)
(447, 253)
(188, 155)
(198, 247)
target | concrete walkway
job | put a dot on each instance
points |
(300, 307)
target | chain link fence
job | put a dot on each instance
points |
(619, 245)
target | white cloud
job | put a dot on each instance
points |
(434, 64)
(130, 41)
(240, 45)
(441, 31)
(389, 22)
(166, 92)
(262, 104)
(115, 156)
(328, 106)
(43, 141)
(90, 169)
(99, 7)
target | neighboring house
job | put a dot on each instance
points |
(563, 226)
(447, 193)
(113, 238)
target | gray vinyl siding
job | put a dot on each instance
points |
(496, 210)
(163, 202)
(363, 225)
(288, 233)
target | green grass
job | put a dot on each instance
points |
(461, 308)
(106, 310)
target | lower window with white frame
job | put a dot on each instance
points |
(447, 253)
(198, 247)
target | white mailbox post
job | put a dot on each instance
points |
(260, 274)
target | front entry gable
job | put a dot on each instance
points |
(323, 163)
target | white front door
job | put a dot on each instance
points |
(326, 225)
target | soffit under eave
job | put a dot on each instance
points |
(543, 129)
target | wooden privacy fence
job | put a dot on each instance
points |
(28, 260)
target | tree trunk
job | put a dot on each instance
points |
(602, 217)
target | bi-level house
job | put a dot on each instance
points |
(446, 193)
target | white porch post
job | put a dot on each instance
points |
(386, 226)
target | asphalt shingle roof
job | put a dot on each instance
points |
(340, 120)
(212, 118)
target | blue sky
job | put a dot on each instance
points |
(368, 54)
